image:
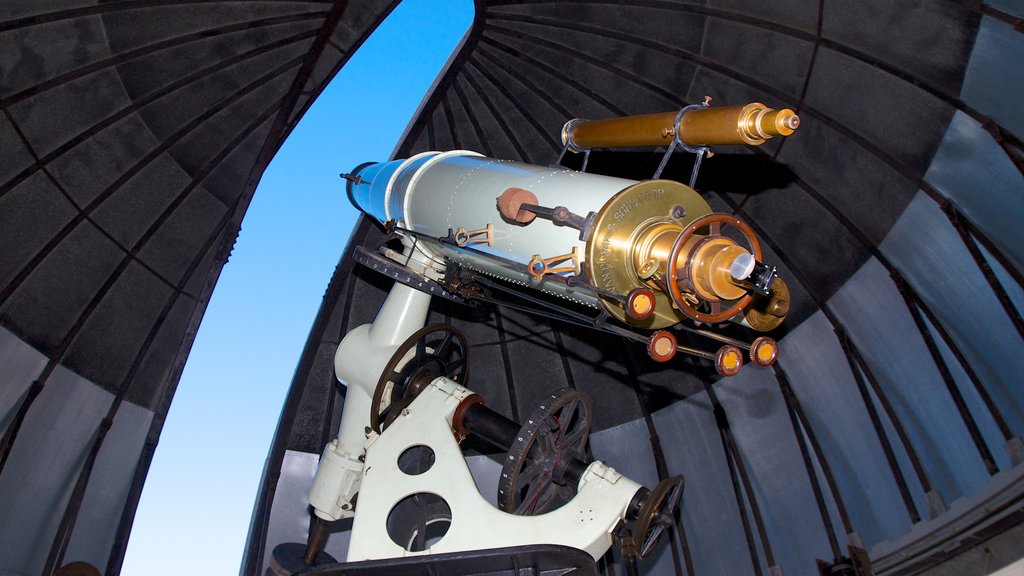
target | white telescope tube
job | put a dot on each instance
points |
(433, 192)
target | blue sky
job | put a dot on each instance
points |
(196, 505)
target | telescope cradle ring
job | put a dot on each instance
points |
(672, 273)
(448, 357)
(678, 143)
(551, 438)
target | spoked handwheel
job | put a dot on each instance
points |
(714, 220)
(436, 350)
(656, 514)
(553, 436)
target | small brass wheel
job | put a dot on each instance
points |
(531, 480)
(672, 273)
(437, 350)
(656, 514)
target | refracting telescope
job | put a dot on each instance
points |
(633, 258)
(642, 257)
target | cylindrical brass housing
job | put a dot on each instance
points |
(768, 313)
(707, 261)
(750, 124)
(643, 130)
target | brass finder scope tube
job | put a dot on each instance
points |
(751, 124)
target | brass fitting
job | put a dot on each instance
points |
(707, 261)
(752, 124)
(766, 314)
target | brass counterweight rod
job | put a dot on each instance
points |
(715, 336)
(751, 124)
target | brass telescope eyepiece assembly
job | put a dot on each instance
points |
(661, 236)
(751, 124)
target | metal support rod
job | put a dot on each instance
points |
(715, 336)
(558, 215)
(506, 364)
(696, 166)
(558, 161)
(598, 323)
(664, 160)
(490, 426)
(697, 353)
(317, 539)
(947, 377)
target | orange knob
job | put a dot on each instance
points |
(764, 351)
(640, 303)
(729, 361)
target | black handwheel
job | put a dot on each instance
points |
(657, 513)
(287, 559)
(553, 436)
(440, 350)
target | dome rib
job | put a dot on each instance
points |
(483, 97)
(84, 212)
(157, 47)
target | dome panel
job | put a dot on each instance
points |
(913, 37)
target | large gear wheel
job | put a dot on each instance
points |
(437, 350)
(656, 514)
(552, 437)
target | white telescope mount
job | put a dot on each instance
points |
(397, 468)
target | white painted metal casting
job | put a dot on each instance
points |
(358, 364)
(585, 522)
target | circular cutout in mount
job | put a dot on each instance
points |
(419, 521)
(416, 460)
